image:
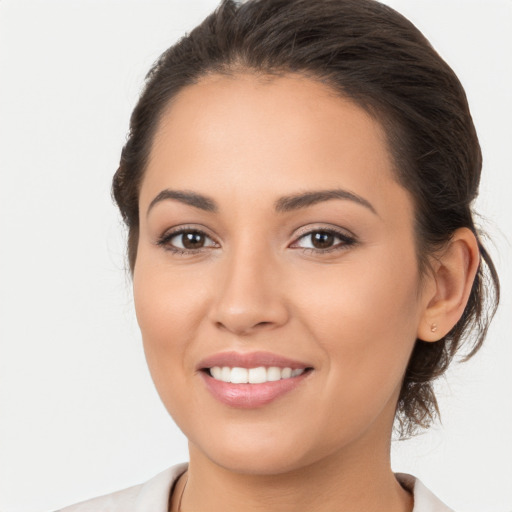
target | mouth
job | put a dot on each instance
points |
(251, 380)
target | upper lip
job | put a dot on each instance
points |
(250, 360)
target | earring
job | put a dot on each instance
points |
(433, 327)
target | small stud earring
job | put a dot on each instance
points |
(433, 327)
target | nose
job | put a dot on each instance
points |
(251, 294)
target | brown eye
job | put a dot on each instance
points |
(192, 240)
(186, 240)
(322, 239)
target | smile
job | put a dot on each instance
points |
(251, 380)
(259, 375)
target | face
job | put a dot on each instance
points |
(276, 251)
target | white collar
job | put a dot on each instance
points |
(153, 496)
(424, 499)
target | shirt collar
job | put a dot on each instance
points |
(154, 494)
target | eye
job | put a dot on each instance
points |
(186, 241)
(324, 240)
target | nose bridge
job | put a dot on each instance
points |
(249, 296)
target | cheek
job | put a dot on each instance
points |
(169, 311)
(168, 300)
(365, 320)
(362, 296)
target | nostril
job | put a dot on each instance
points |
(243, 328)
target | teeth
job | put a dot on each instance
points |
(216, 372)
(286, 373)
(239, 375)
(258, 375)
(273, 374)
(225, 374)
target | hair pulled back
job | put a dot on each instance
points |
(371, 54)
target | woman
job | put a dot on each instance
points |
(297, 185)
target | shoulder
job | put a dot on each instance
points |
(152, 496)
(424, 499)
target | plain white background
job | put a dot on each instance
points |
(78, 413)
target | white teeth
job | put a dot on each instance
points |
(226, 374)
(239, 375)
(286, 373)
(216, 372)
(258, 375)
(273, 373)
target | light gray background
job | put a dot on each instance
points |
(78, 413)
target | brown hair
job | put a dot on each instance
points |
(371, 54)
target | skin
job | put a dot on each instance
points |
(352, 313)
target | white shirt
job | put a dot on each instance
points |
(153, 496)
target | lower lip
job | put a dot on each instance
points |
(250, 396)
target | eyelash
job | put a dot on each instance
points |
(346, 241)
(164, 241)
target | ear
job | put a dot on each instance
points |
(453, 273)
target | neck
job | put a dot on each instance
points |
(357, 478)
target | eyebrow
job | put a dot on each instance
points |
(305, 199)
(282, 205)
(184, 196)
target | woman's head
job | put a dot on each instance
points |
(365, 53)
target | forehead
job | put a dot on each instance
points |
(258, 136)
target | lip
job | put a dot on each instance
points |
(250, 360)
(250, 396)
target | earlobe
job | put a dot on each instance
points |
(452, 275)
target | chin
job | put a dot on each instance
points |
(257, 462)
(263, 454)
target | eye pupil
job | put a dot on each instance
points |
(322, 240)
(192, 240)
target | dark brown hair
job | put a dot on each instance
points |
(371, 54)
